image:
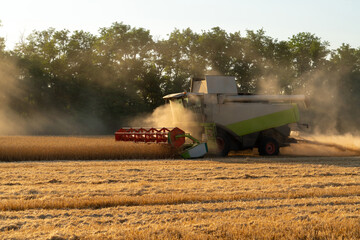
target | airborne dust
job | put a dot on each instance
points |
(323, 115)
(170, 116)
(32, 121)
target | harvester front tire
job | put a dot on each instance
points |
(223, 144)
(268, 147)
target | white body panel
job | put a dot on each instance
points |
(215, 84)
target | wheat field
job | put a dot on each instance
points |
(25, 148)
(220, 198)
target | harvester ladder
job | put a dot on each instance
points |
(210, 133)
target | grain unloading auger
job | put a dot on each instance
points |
(175, 137)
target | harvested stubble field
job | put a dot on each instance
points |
(232, 198)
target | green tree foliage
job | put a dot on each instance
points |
(179, 58)
(308, 52)
(123, 71)
(308, 55)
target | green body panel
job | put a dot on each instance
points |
(185, 155)
(268, 121)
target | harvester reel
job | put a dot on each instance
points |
(175, 137)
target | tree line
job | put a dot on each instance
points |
(123, 71)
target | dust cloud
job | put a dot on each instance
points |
(9, 122)
(326, 103)
(324, 145)
(333, 129)
(269, 86)
(331, 117)
(170, 115)
(328, 111)
(16, 121)
(347, 141)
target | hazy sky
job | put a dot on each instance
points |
(334, 21)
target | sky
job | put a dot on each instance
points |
(335, 21)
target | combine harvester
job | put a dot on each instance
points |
(225, 119)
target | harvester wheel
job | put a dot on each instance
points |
(223, 144)
(268, 147)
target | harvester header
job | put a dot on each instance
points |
(175, 137)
